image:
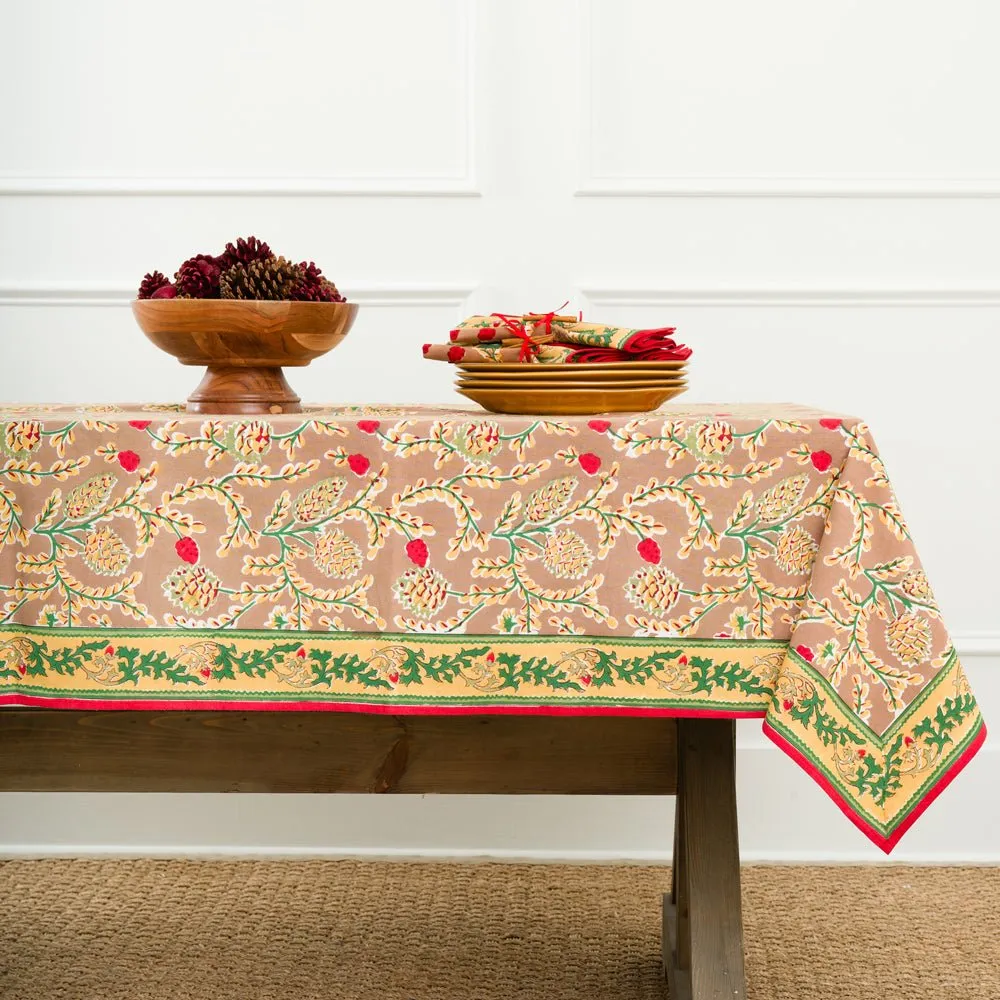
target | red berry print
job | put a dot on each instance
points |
(682, 660)
(491, 657)
(359, 464)
(908, 740)
(301, 652)
(109, 650)
(456, 353)
(648, 550)
(831, 423)
(601, 426)
(586, 678)
(417, 551)
(821, 460)
(862, 753)
(787, 704)
(369, 426)
(139, 425)
(394, 677)
(205, 672)
(806, 653)
(128, 460)
(590, 462)
(187, 549)
(22, 668)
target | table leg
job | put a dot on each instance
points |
(702, 918)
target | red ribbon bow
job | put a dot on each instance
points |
(516, 326)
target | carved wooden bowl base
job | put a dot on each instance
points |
(231, 389)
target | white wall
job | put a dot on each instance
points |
(810, 192)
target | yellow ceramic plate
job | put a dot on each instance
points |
(552, 385)
(571, 402)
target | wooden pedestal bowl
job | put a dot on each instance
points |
(244, 345)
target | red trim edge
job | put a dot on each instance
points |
(885, 843)
(151, 705)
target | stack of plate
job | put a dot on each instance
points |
(564, 390)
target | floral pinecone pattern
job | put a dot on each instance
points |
(105, 552)
(374, 519)
(319, 501)
(655, 590)
(779, 501)
(193, 589)
(795, 550)
(909, 637)
(567, 555)
(89, 497)
(422, 591)
(336, 555)
(747, 562)
(552, 499)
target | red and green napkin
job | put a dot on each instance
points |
(549, 339)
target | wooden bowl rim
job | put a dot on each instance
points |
(257, 304)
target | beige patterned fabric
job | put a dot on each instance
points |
(731, 561)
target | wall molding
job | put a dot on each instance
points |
(81, 295)
(593, 185)
(370, 187)
(745, 296)
(977, 643)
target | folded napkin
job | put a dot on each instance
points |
(549, 339)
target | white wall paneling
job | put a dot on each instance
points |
(827, 235)
(780, 98)
(240, 98)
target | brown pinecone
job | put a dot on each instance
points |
(151, 283)
(314, 287)
(272, 278)
(198, 278)
(243, 252)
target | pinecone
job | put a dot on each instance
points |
(314, 287)
(551, 500)
(105, 553)
(271, 278)
(795, 550)
(335, 555)
(423, 591)
(779, 501)
(653, 589)
(566, 555)
(89, 497)
(192, 588)
(243, 252)
(319, 501)
(151, 283)
(909, 637)
(198, 278)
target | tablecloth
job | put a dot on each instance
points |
(729, 561)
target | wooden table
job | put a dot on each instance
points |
(183, 751)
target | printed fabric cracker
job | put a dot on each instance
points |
(551, 339)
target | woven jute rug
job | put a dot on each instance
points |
(344, 930)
